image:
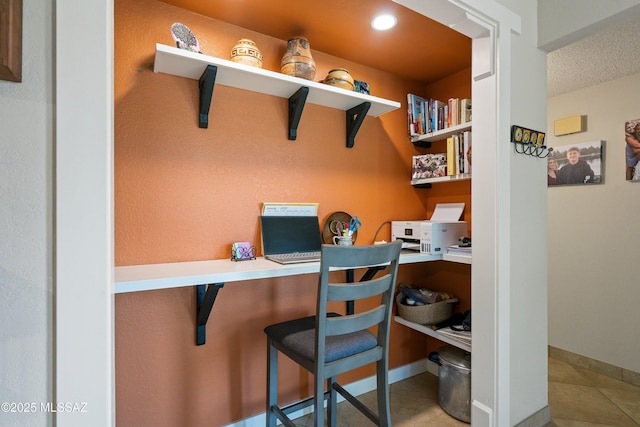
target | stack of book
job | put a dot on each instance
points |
(427, 115)
(459, 153)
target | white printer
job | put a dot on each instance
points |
(435, 235)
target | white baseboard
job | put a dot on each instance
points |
(362, 386)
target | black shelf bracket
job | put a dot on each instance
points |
(426, 185)
(296, 105)
(355, 117)
(206, 83)
(205, 297)
(422, 144)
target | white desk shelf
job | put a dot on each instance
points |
(209, 70)
(433, 333)
(461, 259)
(135, 278)
(210, 276)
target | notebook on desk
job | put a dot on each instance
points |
(291, 239)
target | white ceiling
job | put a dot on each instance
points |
(602, 57)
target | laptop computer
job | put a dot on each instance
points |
(291, 239)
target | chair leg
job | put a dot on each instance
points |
(318, 402)
(384, 411)
(332, 405)
(272, 383)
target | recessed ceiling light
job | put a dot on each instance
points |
(384, 22)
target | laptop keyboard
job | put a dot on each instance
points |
(295, 257)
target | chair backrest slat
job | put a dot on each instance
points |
(357, 322)
(359, 290)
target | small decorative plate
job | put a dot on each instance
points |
(333, 224)
(184, 38)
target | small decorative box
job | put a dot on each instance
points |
(242, 251)
(362, 87)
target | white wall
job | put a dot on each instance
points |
(26, 144)
(594, 286)
(527, 225)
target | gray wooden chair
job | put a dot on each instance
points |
(329, 344)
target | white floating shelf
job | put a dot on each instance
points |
(440, 134)
(183, 63)
(451, 178)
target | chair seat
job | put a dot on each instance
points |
(298, 336)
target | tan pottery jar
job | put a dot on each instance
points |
(339, 77)
(297, 60)
(246, 52)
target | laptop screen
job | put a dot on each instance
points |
(287, 234)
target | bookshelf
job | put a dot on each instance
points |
(209, 70)
(426, 139)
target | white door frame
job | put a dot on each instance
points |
(84, 337)
(83, 249)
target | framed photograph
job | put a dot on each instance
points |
(576, 164)
(632, 149)
(11, 40)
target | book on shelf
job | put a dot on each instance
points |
(466, 150)
(417, 113)
(454, 112)
(427, 115)
(437, 115)
(452, 155)
(465, 110)
(429, 166)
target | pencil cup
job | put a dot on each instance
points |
(343, 240)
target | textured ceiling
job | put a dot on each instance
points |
(601, 57)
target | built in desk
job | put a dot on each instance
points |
(210, 276)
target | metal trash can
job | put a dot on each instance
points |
(454, 389)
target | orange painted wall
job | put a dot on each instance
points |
(183, 193)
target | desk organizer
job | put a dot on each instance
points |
(242, 251)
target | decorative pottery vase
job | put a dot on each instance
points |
(339, 77)
(297, 60)
(246, 52)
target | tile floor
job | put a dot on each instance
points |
(578, 398)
